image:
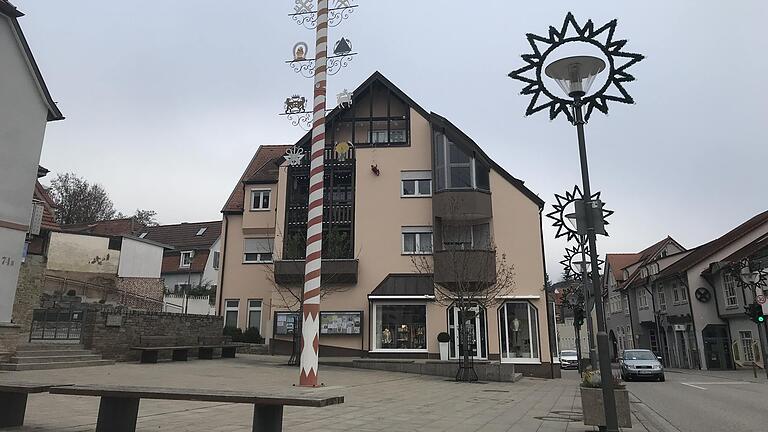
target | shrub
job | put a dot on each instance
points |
(252, 335)
(234, 332)
(443, 337)
(592, 379)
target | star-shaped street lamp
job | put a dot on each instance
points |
(575, 75)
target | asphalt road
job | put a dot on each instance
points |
(700, 403)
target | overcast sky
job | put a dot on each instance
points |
(166, 101)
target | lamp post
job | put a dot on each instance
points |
(575, 76)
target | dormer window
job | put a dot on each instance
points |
(186, 259)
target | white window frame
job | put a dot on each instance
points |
(259, 259)
(374, 336)
(201, 231)
(418, 177)
(662, 299)
(683, 294)
(260, 201)
(191, 255)
(675, 294)
(642, 299)
(236, 309)
(729, 291)
(520, 360)
(418, 231)
(260, 309)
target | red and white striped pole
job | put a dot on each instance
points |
(310, 329)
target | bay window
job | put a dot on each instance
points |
(467, 237)
(457, 169)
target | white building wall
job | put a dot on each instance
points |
(23, 116)
(139, 259)
(193, 305)
(211, 274)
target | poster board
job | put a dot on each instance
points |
(286, 322)
(349, 323)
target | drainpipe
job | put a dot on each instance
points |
(225, 227)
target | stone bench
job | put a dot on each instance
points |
(119, 406)
(150, 347)
(13, 401)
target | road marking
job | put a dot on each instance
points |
(694, 386)
(721, 383)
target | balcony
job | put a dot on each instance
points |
(464, 266)
(466, 204)
(334, 271)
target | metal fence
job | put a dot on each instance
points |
(60, 324)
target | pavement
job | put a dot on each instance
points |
(375, 400)
(693, 400)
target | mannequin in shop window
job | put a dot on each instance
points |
(386, 337)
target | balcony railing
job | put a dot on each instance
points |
(333, 271)
(453, 267)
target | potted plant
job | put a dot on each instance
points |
(592, 400)
(443, 339)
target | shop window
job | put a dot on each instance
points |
(400, 327)
(519, 331)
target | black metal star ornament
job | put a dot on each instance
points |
(565, 202)
(602, 38)
(572, 260)
(747, 278)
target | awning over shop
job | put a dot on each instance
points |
(404, 286)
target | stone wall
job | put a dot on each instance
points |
(112, 331)
(29, 289)
(10, 335)
(143, 289)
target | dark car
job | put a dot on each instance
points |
(640, 363)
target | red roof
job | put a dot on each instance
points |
(620, 261)
(708, 249)
(184, 235)
(260, 169)
(126, 226)
(49, 212)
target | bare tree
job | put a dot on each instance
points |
(78, 201)
(468, 276)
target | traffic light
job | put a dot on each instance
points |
(578, 316)
(755, 312)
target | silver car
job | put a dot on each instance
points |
(569, 359)
(640, 363)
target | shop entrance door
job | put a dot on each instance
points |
(476, 334)
(716, 349)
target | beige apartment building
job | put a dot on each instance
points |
(411, 185)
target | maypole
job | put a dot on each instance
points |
(295, 110)
(310, 327)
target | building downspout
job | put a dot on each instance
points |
(550, 314)
(223, 265)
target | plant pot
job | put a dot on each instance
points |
(594, 411)
(443, 350)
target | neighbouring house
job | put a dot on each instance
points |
(26, 107)
(637, 310)
(410, 184)
(684, 304)
(194, 259)
(123, 226)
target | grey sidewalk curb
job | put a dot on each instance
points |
(648, 418)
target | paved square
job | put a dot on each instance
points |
(375, 401)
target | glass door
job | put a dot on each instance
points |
(476, 334)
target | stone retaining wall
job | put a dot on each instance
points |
(486, 371)
(112, 331)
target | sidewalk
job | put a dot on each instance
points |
(374, 400)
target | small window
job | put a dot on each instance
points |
(416, 184)
(683, 295)
(231, 309)
(260, 199)
(729, 286)
(258, 250)
(142, 235)
(662, 300)
(216, 257)
(186, 259)
(675, 294)
(201, 231)
(417, 240)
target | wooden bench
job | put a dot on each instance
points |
(150, 347)
(119, 406)
(13, 401)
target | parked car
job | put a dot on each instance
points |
(569, 359)
(640, 363)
